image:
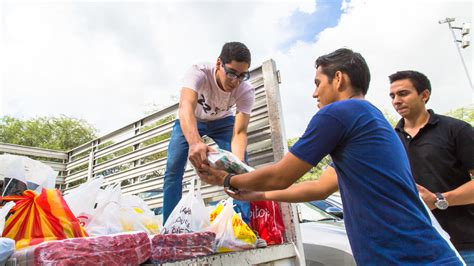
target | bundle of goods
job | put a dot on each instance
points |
(119, 249)
(172, 247)
(225, 160)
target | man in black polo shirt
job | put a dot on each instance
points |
(441, 154)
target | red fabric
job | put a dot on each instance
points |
(266, 220)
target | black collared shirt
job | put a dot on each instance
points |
(441, 155)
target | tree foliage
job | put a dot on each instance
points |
(463, 113)
(58, 133)
(390, 118)
(316, 171)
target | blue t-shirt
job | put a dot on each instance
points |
(385, 220)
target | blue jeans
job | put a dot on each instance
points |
(221, 132)
(468, 256)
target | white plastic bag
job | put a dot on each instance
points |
(137, 216)
(82, 200)
(190, 214)
(232, 234)
(105, 219)
(35, 174)
(7, 247)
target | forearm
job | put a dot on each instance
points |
(462, 195)
(239, 145)
(263, 179)
(302, 192)
(188, 124)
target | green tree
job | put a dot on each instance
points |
(316, 171)
(390, 118)
(463, 113)
(58, 133)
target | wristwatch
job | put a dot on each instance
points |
(227, 185)
(441, 202)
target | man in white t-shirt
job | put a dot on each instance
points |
(216, 102)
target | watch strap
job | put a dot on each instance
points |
(227, 184)
(439, 196)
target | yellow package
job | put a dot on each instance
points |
(232, 233)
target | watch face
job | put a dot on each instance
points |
(441, 204)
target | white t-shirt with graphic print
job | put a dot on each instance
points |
(214, 103)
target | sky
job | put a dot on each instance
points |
(111, 62)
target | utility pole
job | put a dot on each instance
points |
(465, 29)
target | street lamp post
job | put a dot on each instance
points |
(464, 42)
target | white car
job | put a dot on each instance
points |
(323, 233)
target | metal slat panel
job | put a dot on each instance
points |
(56, 166)
(135, 139)
(32, 151)
(137, 171)
(132, 156)
(81, 149)
(75, 164)
(75, 177)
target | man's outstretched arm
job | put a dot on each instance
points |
(302, 192)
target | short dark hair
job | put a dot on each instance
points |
(235, 51)
(418, 79)
(349, 62)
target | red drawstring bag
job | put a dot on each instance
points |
(266, 220)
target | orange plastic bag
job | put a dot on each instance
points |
(38, 218)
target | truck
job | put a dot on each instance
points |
(135, 155)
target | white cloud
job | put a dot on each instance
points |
(392, 36)
(107, 62)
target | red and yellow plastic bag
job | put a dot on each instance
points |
(39, 218)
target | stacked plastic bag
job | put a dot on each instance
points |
(114, 213)
(51, 229)
(123, 230)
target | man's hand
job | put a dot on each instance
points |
(428, 197)
(247, 195)
(198, 154)
(211, 176)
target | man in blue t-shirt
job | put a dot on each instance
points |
(386, 222)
